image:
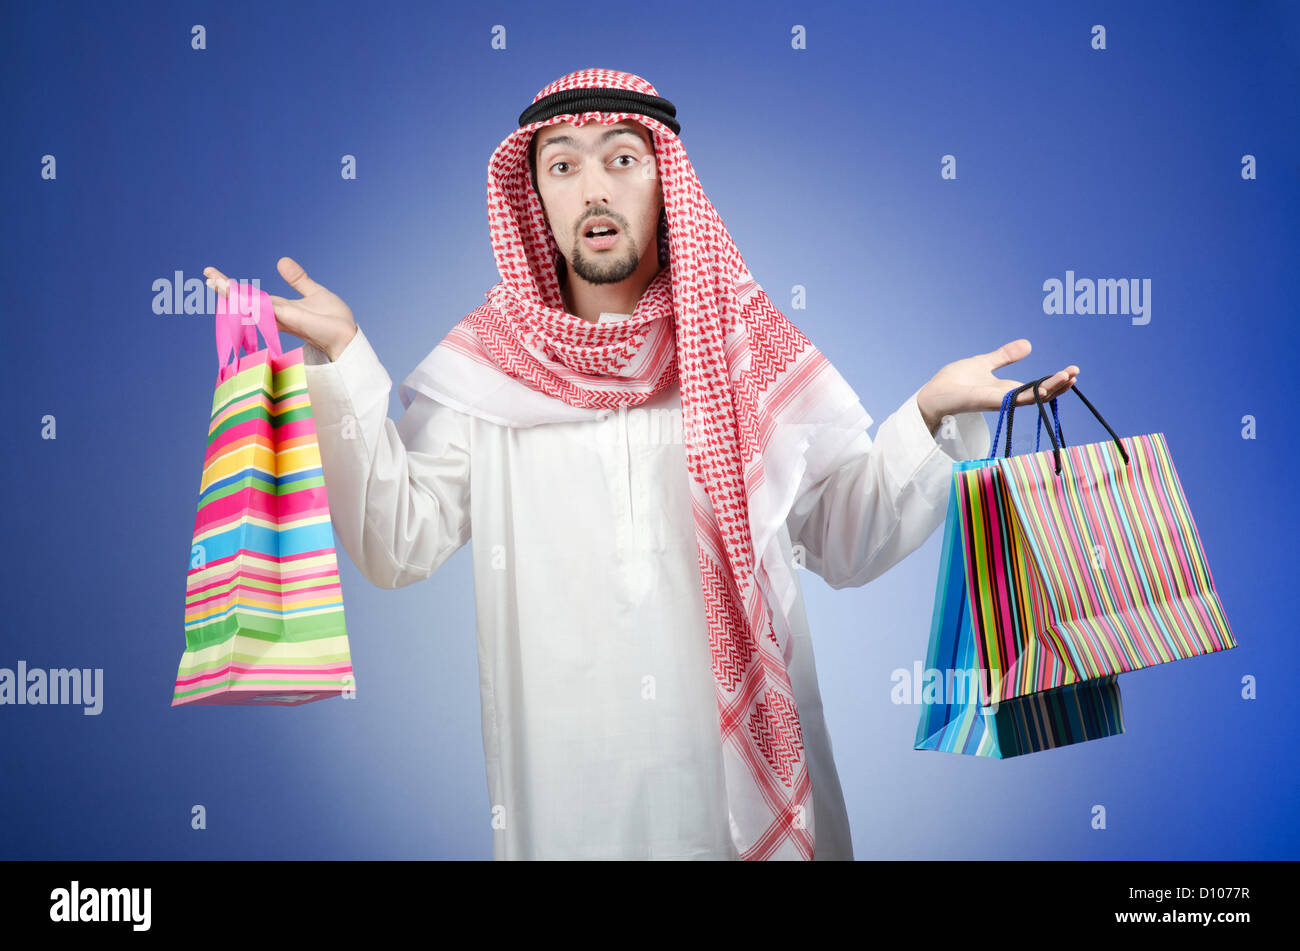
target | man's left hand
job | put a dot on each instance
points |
(968, 386)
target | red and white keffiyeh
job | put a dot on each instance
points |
(763, 414)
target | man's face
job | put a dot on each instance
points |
(600, 174)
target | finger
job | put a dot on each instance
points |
(1063, 381)
(1026, 396)
(1071, 374)
(288, 315)
(217, 280)
(296, 277)
(1055, 385)
(1008, 353)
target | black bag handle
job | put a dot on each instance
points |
(1056, 449)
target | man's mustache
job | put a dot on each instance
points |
(617, 219)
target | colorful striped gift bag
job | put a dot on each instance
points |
(264, 619)
(1078, 565)
(957, 714)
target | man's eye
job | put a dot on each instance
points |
(625, 155)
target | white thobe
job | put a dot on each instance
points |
(600, 723)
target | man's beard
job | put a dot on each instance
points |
(602, 267)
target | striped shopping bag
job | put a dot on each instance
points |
(957, 714)
(264, 616)
(1078, 565)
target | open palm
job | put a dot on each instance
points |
(968, 385)
(319, 317)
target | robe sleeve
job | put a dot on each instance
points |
(884, 497)
(398, 491)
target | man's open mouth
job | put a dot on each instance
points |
(601, 237)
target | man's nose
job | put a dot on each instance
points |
(595, 185)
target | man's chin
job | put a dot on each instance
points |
(601, 272)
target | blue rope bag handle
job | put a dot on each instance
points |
(997, 433)
(1008, 411)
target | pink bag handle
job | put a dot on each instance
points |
(241, 313)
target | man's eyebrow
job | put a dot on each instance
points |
(571, 141)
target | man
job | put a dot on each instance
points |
(644, 449)
(611, 251)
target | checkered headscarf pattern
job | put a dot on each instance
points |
(748, 377)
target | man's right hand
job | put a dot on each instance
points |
(319, 317)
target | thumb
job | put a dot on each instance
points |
(296, 277)
(1008, 353)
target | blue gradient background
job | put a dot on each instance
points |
(824, 164)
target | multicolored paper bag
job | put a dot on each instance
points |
(264, 620)
(1077, 565)
(957, 714)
